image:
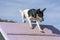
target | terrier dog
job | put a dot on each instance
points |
(32, 14)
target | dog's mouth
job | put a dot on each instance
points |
(37, 18)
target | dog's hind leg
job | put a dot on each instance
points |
(30, 23)
(28, 18)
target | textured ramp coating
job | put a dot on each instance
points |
(23, 31)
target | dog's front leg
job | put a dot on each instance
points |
(23, 19)
(39, 27)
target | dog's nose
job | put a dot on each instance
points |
(43, 19)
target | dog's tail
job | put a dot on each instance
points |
(21, 11)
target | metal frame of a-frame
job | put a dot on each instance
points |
(3, 33)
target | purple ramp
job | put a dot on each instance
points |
(23, 31)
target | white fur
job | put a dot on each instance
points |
(25, 13)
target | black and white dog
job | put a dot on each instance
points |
(32, 14)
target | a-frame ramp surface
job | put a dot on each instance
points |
(16, 31)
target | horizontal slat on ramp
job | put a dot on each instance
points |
(54, 35)
(25, 37)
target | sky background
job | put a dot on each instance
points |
(9, 9)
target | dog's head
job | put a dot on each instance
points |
(40, 14)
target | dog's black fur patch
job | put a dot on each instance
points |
(32, 12)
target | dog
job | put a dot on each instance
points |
(33, 14)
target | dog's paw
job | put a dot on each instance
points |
(24, 21)
(42, 31)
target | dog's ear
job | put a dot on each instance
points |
(38, 9)
(43, 9)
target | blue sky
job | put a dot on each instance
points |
(9, 9)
